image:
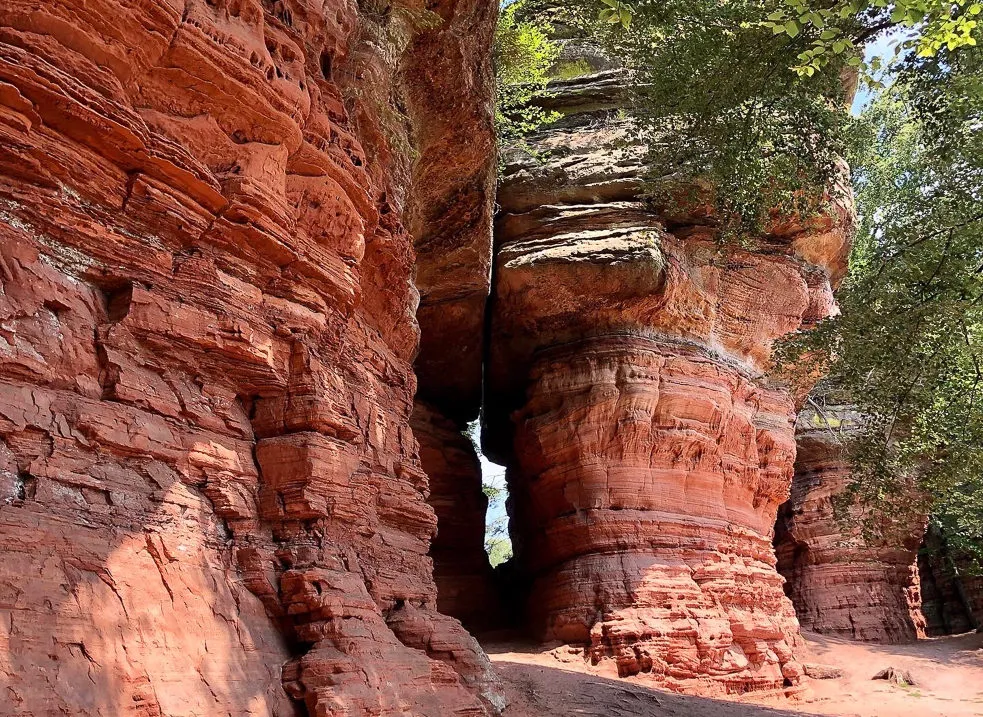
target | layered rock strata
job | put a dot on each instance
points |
(648, 452)
(450, 94)
(212, 500)
(841, 581)
(450, 216)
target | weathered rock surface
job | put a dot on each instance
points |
(648, 450)
(212, 500)
(841, 582)
(450, 95)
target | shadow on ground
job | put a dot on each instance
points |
(536, 690)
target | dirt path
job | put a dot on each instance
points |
(947, 672)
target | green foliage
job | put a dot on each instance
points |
(844, 25)
(749, 96)
(499, 550)
(617, 13)
(524, 55)
(907, 346)
(720, 106)
(570, 69)
(498, 545)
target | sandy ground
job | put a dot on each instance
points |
(948, 676)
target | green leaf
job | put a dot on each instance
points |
(791, 28)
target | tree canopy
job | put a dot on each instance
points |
(523, 55)
(753, 98)
(907, 345)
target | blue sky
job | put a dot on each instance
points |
(883, 48)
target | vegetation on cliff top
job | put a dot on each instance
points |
(754, 96)
(907, 345)
(524, 55)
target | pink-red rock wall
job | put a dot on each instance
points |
(841, 582)
(648, 451)
(449, 216)
(656, 475)
(211, 500)
(452, 199)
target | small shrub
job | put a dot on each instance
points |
(524, 55)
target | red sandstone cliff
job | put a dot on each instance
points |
(841, 582)
(450, 215)
(648, 450)
(212, 500)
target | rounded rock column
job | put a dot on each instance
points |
(647, 484)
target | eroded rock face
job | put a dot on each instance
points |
(656, 475)
(212, 500)
(840, 582)
(648, 450)
(450, 94)
(449, 217)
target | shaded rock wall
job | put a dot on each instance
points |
(212, 500)
(450, 92)
(648, 452)
(450, 99)
(466, 586)
(840, 582)
(952, 595)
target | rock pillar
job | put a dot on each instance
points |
(211, 499)
(648, 449)
(648, 479)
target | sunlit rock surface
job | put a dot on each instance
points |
(627, 390)
(211, 500)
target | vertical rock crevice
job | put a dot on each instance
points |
(449, 216)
